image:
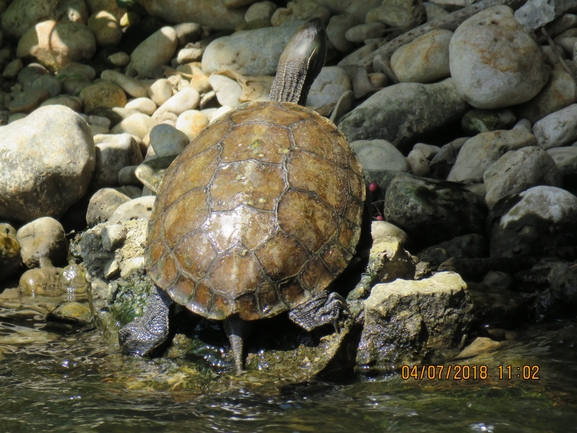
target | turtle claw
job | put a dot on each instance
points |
(322, 309)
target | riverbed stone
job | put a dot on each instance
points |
(482, 150)
(424, 60)
(541, 220)
(251, 52)
(106, 28)
(448, 211)
(403, 112)
(228, 91)
(152, 53)
(397, 13)
(167, 140)
(494, 62)
(479, 120)
(10, 260)
(566, 160)
(191, 122)
(28, 101)
(359, 33)
(328, 87)
(260, 11)
(35, 182)
(103, 94)
(414, 322)
(144, 105)
(379, 155)
(132, 86)
(336, 30)
(102, 204)
(160, 91)
(519, 170)
(140, 207)
(300, 11)
(136, 124)
(55, 44)
(43, 243)
(557, 129)
(113, 152)
(186, 99)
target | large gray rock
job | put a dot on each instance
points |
(557, 129)
(494, 62)
(519, 170)
(251, 52)
(403, 112)
(209, 13)
(536, 13)
(432, 211)
(541, 220)
(46, 163)
(24, 14)
(414, 322)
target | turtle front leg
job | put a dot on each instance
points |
(144, 335)
(236, 330)
(322, 309)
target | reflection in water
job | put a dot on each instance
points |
(62, 380)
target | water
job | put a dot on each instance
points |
(55, 378)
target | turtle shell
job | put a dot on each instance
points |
(260, 212)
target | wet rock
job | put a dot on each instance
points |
(45, 281)
(560, 299)
(156, 50)
(113, 152)
(21, 15)
(557, 129)
(132, 86)
(413, 322)
(432, 211)
(167, 140)
(482, 150)
(391, 113)
(494, 62)
(136, 208)
(55, 44)
(204, 12)
(102, 205)
(10, 262)
(250, 53)
(517, 171)
(106, 29)
(102, 94)
(528, 223)
(379, 155)
(35, 182)
(191, 122)
(424, 60)
(75, 312)
(43, 243)
(479, 346)
(558, 93)
(479, 120)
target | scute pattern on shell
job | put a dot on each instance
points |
(261, 211)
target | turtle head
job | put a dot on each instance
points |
(300, 63)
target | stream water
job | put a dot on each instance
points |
(60, 379)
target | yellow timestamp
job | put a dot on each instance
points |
(469, 372)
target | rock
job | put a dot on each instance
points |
(560, 299)
(355, 57)
(536, 13)
(191, 122)
(36, 182)
(45, 82)
(186, 99)
(72, 102)
(336, 30)
(144, 105)
(470, 246)
(379, 155)
(45, 281)
(43, 243)
(361, 32)
(300, 11)
(360, 81)
(113, 152)
(55, 44)
(22, 15)
(391, 113)
(73, 86)
(343, 106)
(479, 120)
(102, 94)
(31, 72)
(448, 210)
(120, 59)
(494, 62)
(425, 59)
(482, 150)
(414, 322)
(479, 346)
(418, 163)
(28, 101)
(397, 13)
(10, 261)
(558, 93)
(328, 87)
(383, 229)
(250, 53)
(76, 70)
(557, 129)
(260, 11)
(152, 170)
(75, 312)
(566, 160)
(227, 90)
(358, 8)
(541, 220)
(136, 124)
(187, 33)
(204, 12)
(136, 208)
(106, 29)
(434, 11)
(519, 170)
(132, 86)
(156, 50)
(160, 91)
(12, 69)
(167, 140)
(103, 204)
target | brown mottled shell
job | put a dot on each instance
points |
(260, 212)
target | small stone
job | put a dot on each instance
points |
(187, 33)
(328, 87)
(127, 176)
(106, 28)
(12, 69)
(45, 281)
(557, 129)
(112, 153)
(43, 243)
(260, 11)
(360, 33)
(120, 59)
(186, 99)
(10, 261)
(479, 120)
(134, 209)
(383, 229)
(144, 105)
(479, 346)
(151, 171)
(132, 86)
(72, 312)
(102, 94)
(76, 70)
(73, 86)
(379, 155)
(337, 29)
(418, 162)
(157, 50)
(103, 204)
(167, 140)
(228, 91)
(136, 124)
(28, 101)
(160, 91)
(191, 122)
(45, 82)
(566, 160)
(113, 236)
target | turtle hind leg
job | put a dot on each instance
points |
(145, 335)
(237, 330)
(322, 309)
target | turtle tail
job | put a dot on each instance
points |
(236, 330)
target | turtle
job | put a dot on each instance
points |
(257, 216)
